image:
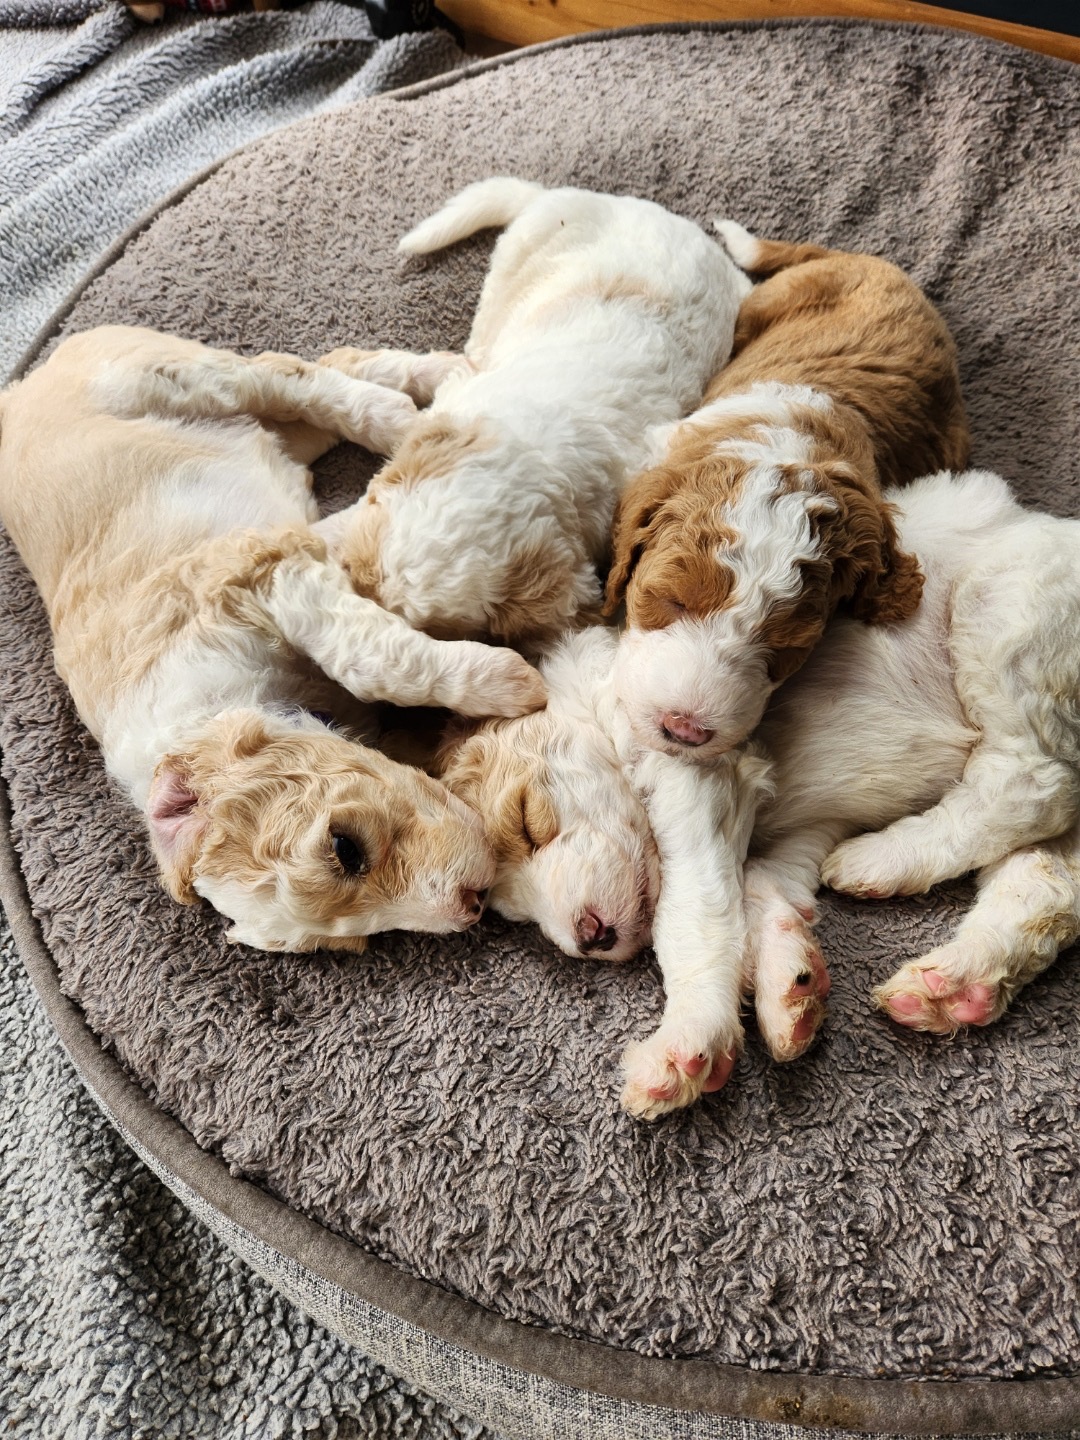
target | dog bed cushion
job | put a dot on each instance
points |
(433, 1128)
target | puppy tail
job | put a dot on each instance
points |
(487, 204)
(763, 257)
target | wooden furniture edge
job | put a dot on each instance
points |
(529, 22)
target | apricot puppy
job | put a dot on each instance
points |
(158, 492)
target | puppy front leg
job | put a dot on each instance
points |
(281, 389)
(419, 376)
(785, 968)
(701, 819)
(376, 655)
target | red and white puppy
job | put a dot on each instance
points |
(764, 509)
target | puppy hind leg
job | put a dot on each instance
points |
(1027, 910)
(1007, 799)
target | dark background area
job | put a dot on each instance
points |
(1063, 15)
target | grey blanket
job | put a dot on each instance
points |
(122, 1316)
(100, 116)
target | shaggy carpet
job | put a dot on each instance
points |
(893, 1205)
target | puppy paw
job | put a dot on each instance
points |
(871, 867)
(418, 376)
(381, 418)
(924, 995)
(495, 681)
(672, 1069)
(791, 983)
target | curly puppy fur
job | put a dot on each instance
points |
(764, 509)
(158, 492)
(600, 316)
(954, 734)
(584, 824)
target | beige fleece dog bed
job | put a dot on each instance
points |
(423, 1145)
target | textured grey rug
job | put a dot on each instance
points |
(892, 1205)
(100, 116)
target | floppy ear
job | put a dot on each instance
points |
(893, 590)
(635, 521)
(499, 784)
(882, 582)
(177, 822)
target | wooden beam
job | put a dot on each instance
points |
(525, 22)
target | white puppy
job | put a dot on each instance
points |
(583, 823)
(957, 730)
(600, 316)
(158, 492)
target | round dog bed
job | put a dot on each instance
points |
(423, 1145)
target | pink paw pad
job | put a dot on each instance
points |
(904, 1007)
(720, 1073)
(814, 980)
(974, 1005)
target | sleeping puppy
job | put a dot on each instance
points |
(600, 316)
(606, 846)
(763, 511)
(159, 494)
(953, 734)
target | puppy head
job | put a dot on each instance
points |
(306, 840)
(729, 584)
(572, 843)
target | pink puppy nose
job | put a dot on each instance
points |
(594, 933)
(684, 729)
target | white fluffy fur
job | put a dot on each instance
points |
(601, 860)
(600, 316)
(955, 736)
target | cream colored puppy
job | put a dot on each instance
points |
(605, 845)
(600, 316)
(159, 494)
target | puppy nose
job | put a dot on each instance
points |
(472, 902)
(684, 729)
(593, 933)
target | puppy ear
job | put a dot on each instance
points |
(893, 591)
(177, 823)
(882, 582)
(635, 522)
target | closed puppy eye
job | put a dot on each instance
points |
(538, 819)
(350, 855)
